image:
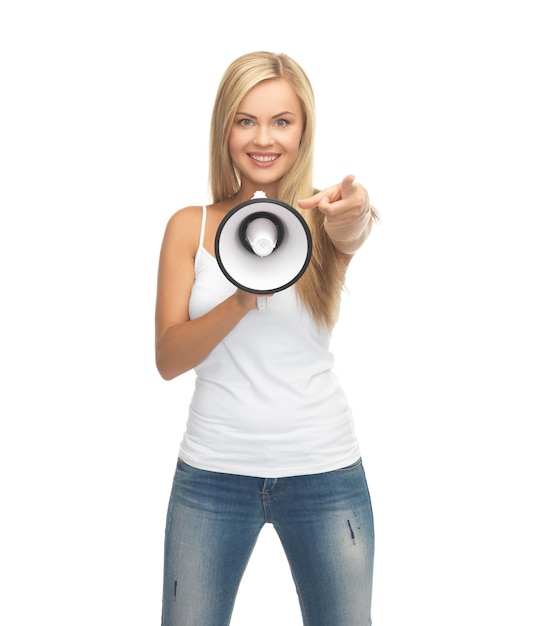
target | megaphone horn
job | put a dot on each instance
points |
(263, 246)
(261, 233)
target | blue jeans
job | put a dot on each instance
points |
(324, 522)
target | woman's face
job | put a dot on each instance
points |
(265, 136)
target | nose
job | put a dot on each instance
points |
(263, 136)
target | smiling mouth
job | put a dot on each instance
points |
(264, 158)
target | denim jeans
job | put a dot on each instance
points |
(324, 522)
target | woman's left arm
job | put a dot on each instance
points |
(348, 216)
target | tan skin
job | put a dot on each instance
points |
(181, 343)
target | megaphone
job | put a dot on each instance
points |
(263, 246)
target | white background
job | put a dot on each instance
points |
(105, 112)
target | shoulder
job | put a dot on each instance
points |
(183, 228)
(185, 218)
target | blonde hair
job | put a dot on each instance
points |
(320, 288)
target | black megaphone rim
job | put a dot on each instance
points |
(300, 219)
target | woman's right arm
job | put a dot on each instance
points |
(181, 343)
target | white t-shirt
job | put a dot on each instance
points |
(267, 402)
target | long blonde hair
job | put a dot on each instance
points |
(321, 286)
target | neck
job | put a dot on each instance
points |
(247, 191)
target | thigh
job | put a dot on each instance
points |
(213, 522)
(326, 526)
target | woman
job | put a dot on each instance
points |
(270, 436)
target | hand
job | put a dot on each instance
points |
(343, 204)
(249, 300)
(347, 213)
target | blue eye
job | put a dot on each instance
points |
(281, 123)
(245, 122)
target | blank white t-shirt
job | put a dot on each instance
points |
(266, 402)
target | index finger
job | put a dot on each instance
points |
(313, 201)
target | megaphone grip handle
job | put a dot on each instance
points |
(261, 302)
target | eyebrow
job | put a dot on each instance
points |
(253, 117)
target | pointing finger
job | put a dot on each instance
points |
(313, 201)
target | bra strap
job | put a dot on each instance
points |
(202, 227)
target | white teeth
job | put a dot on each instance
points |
(264, 159)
